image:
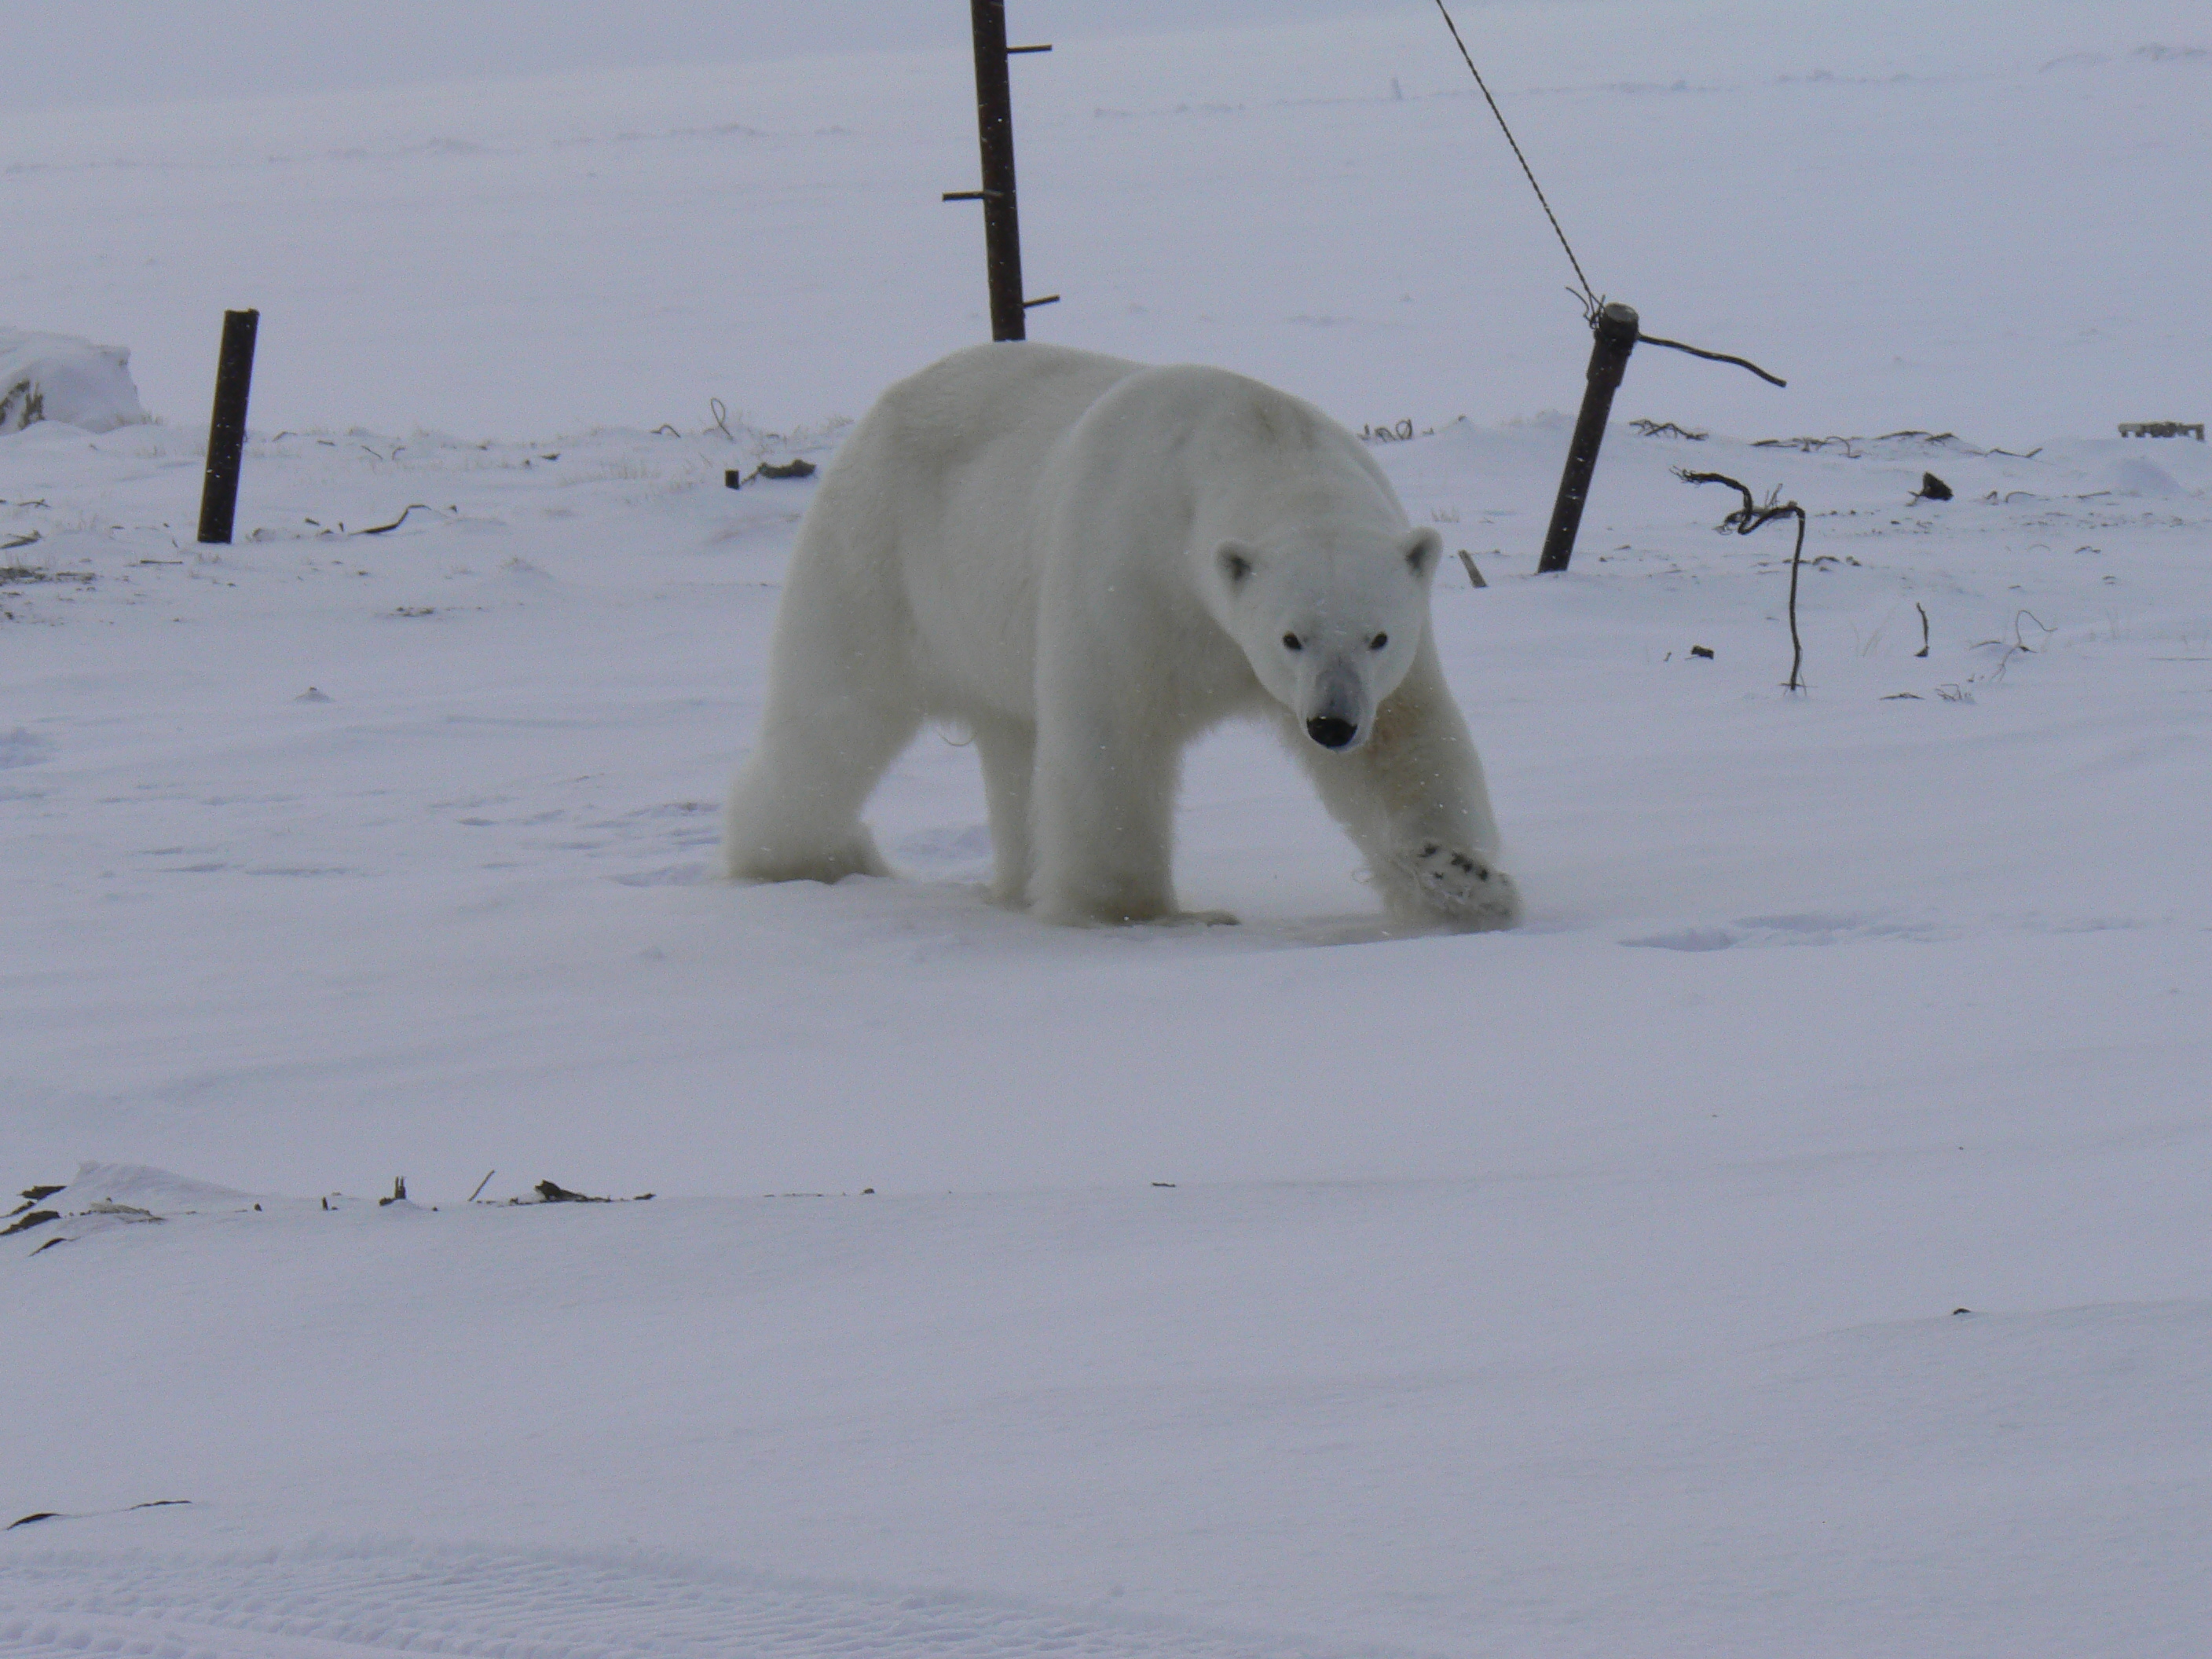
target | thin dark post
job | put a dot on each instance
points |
(994, 124)
(1616, 338)
(234, 378)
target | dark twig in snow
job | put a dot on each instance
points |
(2019, 647)
(552, 1192)
(1807, 446)
(412, 507)
(63, 1514)
(31, 1197)
(1745, 520)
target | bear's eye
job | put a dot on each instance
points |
(1292, 642)
(1378, 641)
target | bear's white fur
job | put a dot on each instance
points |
(1089, 561)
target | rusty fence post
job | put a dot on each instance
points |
(234, 378)
(1616, 334)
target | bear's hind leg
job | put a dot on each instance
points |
(1007, 749)
(794, 810)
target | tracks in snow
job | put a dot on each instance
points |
(333, 1603)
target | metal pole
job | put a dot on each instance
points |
(994, 124)
(234, 378)
(1616, 338)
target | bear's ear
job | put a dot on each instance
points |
(1420, 548)
(1237, 562)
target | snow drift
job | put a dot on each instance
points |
(58, 377)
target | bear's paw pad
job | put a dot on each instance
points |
(1460, 886)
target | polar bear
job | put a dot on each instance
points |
(1088, 563)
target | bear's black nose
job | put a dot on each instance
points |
(1331, 733)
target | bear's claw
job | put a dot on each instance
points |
(1461, 887)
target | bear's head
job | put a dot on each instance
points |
(1329, 620)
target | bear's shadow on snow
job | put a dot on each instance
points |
(940, 883)
(961, 852)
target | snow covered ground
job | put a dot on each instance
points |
(1792, 1241)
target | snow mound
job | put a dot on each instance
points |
(58, 377)
(146, 1187)
(2133, 475)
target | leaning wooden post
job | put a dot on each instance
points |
(234, 378)
(1616, 338)
(994, 126)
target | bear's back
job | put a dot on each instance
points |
(947, 413)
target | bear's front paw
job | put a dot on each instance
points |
(1452, 885)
